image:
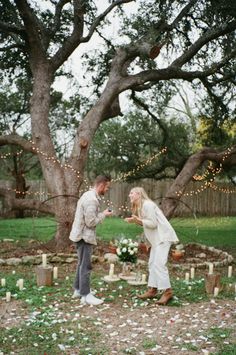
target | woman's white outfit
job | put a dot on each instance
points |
(159, 234)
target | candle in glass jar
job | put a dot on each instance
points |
(21, 284)
(230, 269)
(187, 276)
(55, 272)
(3, 282)
(192, 272)
(210, 269)
(216, 291)
(111, 271)
(44, 260)
(8, 296)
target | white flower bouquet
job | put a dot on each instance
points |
(127, 250)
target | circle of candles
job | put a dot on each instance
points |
(111, 271)
(210, 269)
(3, 282)
(44, 260)
(192, 272)
(230, 269)
(8, 296)
(187, 276)
(55, 272)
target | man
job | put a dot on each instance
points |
(83, 233)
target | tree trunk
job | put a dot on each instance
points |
(64, 213)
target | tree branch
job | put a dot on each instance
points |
(57, 19)
(24, 204)
(101, 17)
(72, 42)
(5, 27)
(182, 13)
(204, 39)
(226, 157)
(36, 32)
(14, 139)
(154, 117)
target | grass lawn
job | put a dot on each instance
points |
(46, 320)
(215, 231)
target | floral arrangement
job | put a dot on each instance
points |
(127, 250)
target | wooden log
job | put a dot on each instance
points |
(44, 275)
(212, 281)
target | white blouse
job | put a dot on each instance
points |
(157, 228)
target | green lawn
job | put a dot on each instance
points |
(217, 231)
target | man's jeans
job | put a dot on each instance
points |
(84, 267)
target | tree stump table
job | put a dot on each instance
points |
(212, 281)
(44, 275)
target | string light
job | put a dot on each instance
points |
(7, 155)
(24, 193)
(141, 166)
(214, 172)
(208, 184)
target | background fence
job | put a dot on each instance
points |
(205, 203)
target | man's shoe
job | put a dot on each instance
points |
(91, 299)
(166, 297)
(150, 293)
(76, 294)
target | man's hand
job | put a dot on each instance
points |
(108, 212)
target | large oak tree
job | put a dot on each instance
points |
(195, 39)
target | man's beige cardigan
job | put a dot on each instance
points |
(87, 217)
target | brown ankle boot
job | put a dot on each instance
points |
(150, 293)
(166, 296)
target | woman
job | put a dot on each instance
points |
(160, 235)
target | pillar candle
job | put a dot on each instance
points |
(3, 282)
(8, 296)
(187, 276)
(111, 271)
(230, 268)
(210, 269)
(44, 260)
(216, 291)
(192, 272)
(55, 272)
(143, 277)
(20, 284)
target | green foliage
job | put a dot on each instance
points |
(121, 147)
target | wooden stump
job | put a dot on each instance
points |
(44, 275)
(212, 281)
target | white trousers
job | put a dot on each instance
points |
(158, 272)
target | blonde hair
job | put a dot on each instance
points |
(137, 206)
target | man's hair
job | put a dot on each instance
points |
(102, 179)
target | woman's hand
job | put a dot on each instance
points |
(134, 219)
(129, 220)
